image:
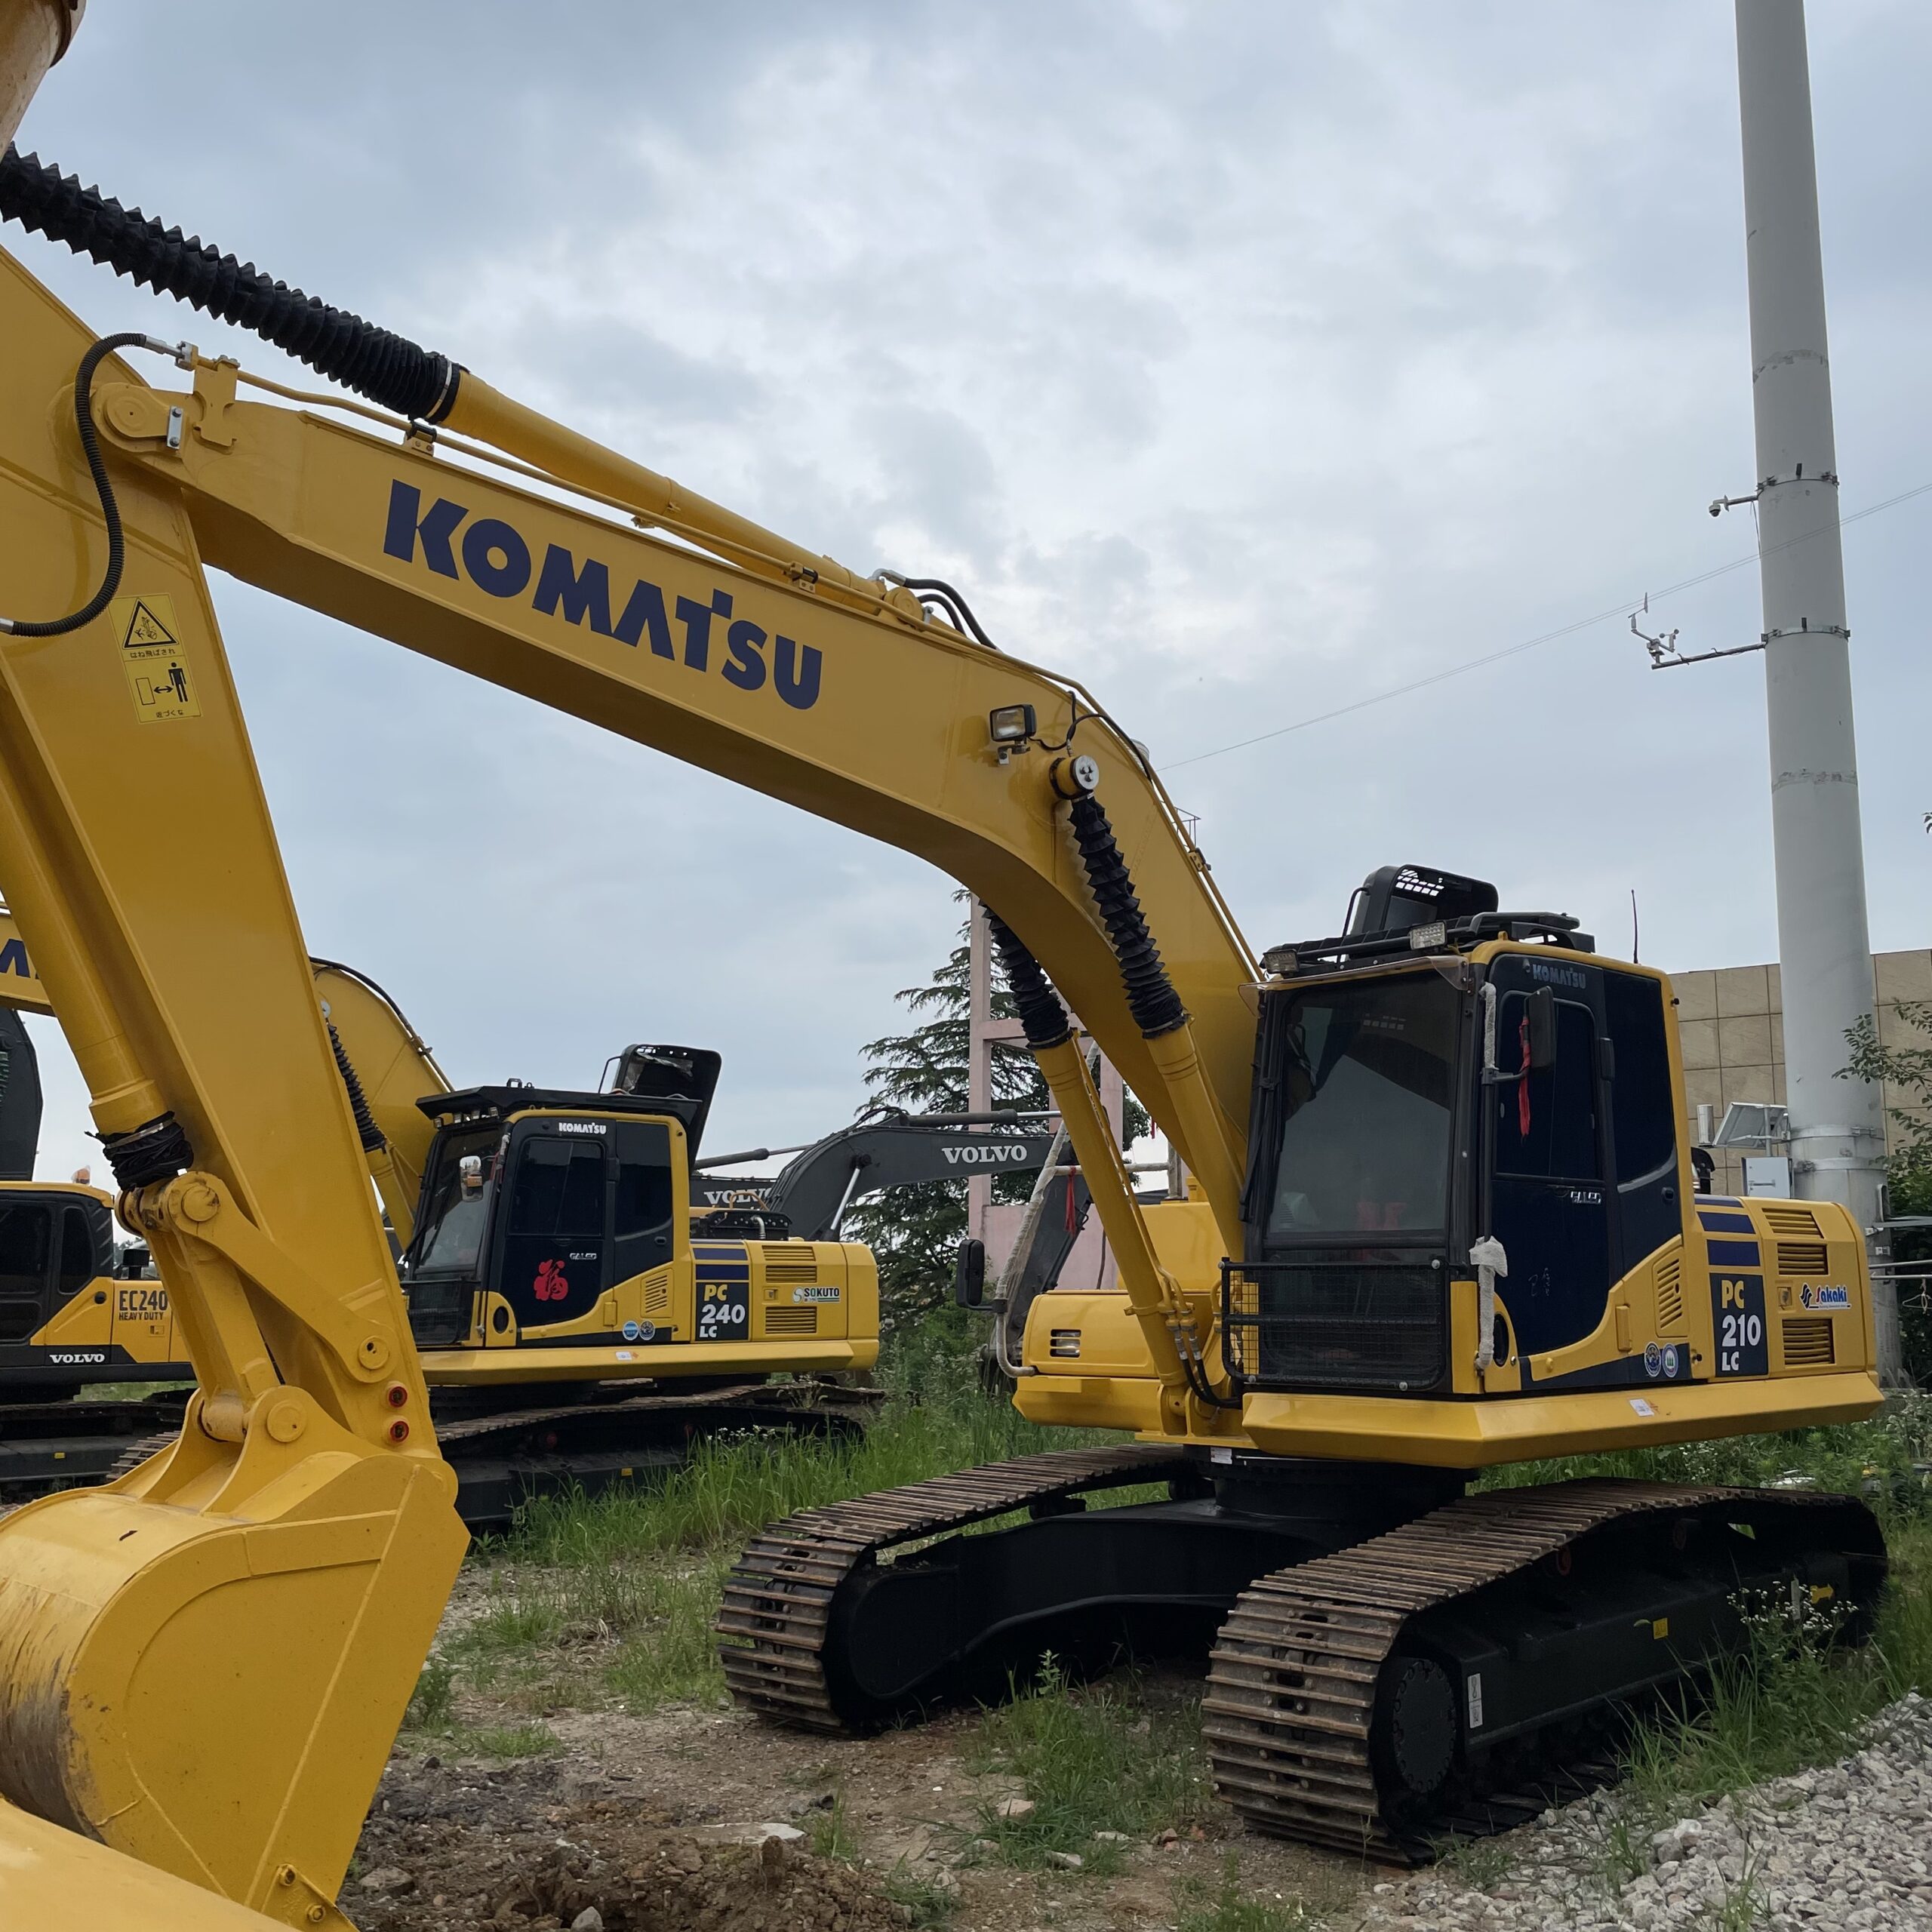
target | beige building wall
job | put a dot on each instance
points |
(1732, 1023)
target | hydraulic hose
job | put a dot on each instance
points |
(110, 511)
(1151, 996)
(388, 369)
(936, 589)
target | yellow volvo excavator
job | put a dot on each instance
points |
(1442, 1213)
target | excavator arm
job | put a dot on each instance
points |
(384, 1064)
(202, 1665)
(387, 1067)
(729, 647)
(848, 706)
(811, 688)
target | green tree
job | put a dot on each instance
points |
(916, 1231)
(1908, 1072)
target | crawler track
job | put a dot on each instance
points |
(774, 1621)
(47, 1446)
(1297, 1709)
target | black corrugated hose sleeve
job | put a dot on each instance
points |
(367, 1130)
(1151, 997)
(156, 1150)
(1041, 1013)
(390, 370)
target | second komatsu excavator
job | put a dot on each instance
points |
(1441, 1213)
(582, 1323)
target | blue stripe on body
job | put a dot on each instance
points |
(1734, 1254)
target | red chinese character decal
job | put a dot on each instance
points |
(551, 1284)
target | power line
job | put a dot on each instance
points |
(1531, 643)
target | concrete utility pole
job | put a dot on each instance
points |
(1837, 1140)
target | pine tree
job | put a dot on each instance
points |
(916, 1231)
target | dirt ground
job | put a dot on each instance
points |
(654, 1823)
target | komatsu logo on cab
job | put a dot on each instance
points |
(495, 558)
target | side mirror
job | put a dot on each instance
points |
(1540, 1006)
(969, 1274)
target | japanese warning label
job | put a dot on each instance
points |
(151, 655)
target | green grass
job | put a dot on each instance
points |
(1792, 1698)
(1222, 1909)
(517, 1740)
(1092, 1758)
(432, 1706)
(927, 1904)
(646, 1566)
(829, 1833)
(1876, 1456)
(732, 1487)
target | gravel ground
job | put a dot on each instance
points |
(1850, 1846)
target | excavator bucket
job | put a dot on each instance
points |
(212, 1690)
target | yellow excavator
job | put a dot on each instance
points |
(583, 1322)
(1441, 1214)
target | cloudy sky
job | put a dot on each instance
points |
(1244, 360)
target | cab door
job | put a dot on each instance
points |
(26, 1243)
(554, 1262)
(1549, 1207)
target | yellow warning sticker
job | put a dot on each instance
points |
(151, 654)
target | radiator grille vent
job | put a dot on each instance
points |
(1805, 1259)
(1670, 1295)
(1064, 1343)
(791, 1321)
(1808, 1342)
(786, 1263)
(1784, 1218)
(1319, 1323)
(657, 1295)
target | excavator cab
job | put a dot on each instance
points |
(70, 1314)
(1386, 1148)
(537, 1204)
(554, 1241)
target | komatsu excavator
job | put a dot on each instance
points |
(1441, 1213)
(584, 1325)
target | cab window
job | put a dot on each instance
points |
(641, 1224)
(559, 1189)
(76, 1251)
(1546, 1122)
(26, 1237)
